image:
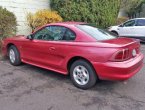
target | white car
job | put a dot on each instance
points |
(134, 28)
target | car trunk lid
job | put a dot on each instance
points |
(132, 45)
(123, 42)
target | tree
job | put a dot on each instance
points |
(7, 24)
(101, 12)
(132, 7)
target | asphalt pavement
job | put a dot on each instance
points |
(28, 87)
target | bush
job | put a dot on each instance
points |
(7, 23)
(101, 12)
(42, 17)
(121, 20)
(132, 7)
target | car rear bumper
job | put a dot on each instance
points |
(119, 70)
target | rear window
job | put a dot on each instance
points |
(98, 34)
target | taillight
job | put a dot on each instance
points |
(121, 55)
(137, 50)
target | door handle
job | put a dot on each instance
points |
(51, 48)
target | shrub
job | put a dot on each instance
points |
(7, 24)
(121, 20)
(42, 17)
(101, 12)
(132, 7)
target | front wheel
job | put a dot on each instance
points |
(14, 56)
(82, 74)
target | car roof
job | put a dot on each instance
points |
(61, 24)
(138, 18)
(67, 23)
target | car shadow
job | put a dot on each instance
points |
(60, 79)
(45, 74)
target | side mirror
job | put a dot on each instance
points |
(29, 37)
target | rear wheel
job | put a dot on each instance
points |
(82, 74)
(14, 56)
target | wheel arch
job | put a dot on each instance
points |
(75, 58)
(115, 32)
(9, 45)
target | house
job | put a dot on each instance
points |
(20, 8)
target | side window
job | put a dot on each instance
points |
(50, 33)
(39, 35)
(140, 22)
(69, 35)
(57, 32)
(129, 23)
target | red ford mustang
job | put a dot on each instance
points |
(79, 49)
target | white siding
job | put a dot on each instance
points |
(122, 13)
(20, 8)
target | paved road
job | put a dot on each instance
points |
(31, 88)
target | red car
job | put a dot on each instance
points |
(79, 49)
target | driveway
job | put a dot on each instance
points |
(31, 88)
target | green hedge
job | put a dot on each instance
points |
(7, 23)
(101, 12)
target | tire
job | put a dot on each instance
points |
(82, 70)
(14, 56)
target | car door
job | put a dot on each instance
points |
(60, 47)
(140, 28)
(127, 29)
(49, 47)
(36, 50)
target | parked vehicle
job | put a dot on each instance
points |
(83, 51)
(132, 28)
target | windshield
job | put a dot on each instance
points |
(98, 34)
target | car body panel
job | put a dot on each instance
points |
(139, 31)
(119, 70)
